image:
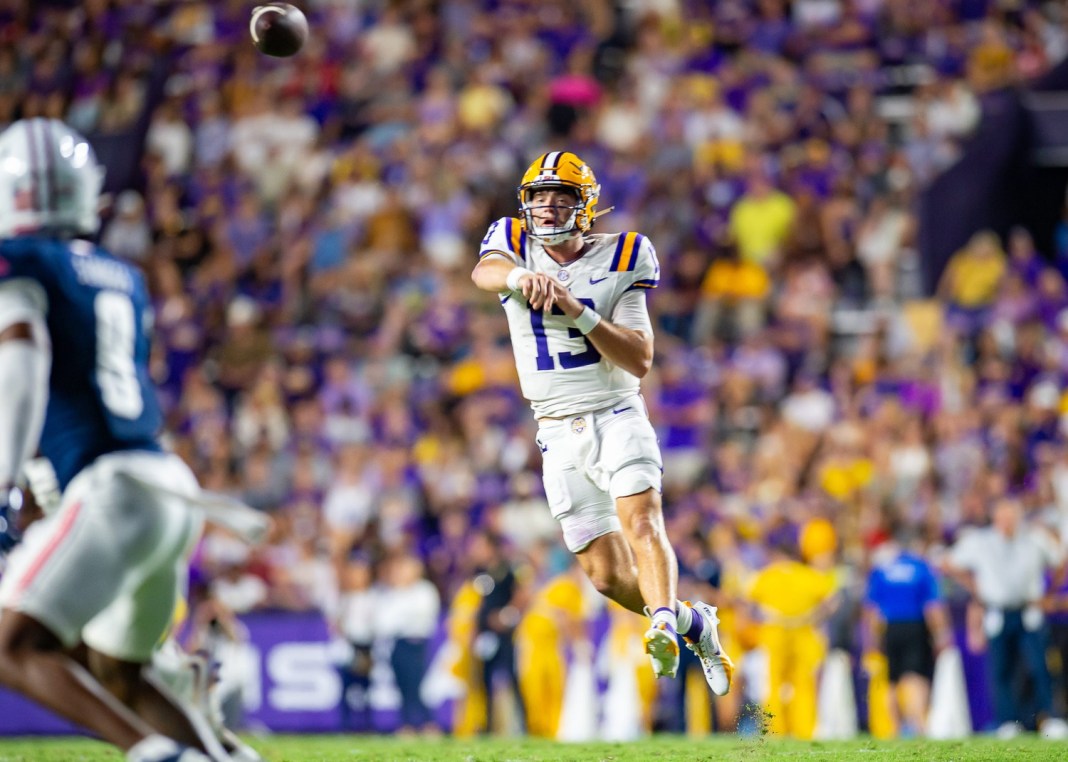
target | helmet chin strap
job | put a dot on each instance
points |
(552, 240)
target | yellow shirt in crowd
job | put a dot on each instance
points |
(760, 225)
(973, 279)
(790, 589)
(736, 280)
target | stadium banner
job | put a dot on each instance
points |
(284, 678)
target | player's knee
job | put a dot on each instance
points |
(608, 582)
(646, 527)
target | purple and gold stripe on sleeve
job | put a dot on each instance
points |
(647, 283)
(626, 256)
(517, 237)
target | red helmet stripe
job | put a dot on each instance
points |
(48, 147)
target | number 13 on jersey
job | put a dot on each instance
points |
(567, 360)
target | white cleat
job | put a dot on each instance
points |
(662, 645)
(1053, 728)
(718, 667)
(156, 748)
(1008, 730)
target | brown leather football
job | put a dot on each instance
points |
(278, 29)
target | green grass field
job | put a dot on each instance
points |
(336, 748)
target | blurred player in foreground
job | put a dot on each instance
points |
(91, 589)
(191, 677)
(582, 339)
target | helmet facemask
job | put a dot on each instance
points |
(552, 234)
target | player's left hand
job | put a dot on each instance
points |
(558, 295)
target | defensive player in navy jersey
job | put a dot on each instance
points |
(91, 588)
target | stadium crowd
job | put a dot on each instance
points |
(308, 227)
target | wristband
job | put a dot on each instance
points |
(514, 275)
(587, 320)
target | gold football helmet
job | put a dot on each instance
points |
(559, 169)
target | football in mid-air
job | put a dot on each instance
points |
(278, 29)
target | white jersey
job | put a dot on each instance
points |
(560, 371)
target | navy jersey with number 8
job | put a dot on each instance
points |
(101, 399)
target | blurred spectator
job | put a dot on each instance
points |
(909, 623)
(170, 137)
(122, 106)
(791, 600)
(553, 623)
(128, 235)
(409, 610)
(349, 504)
(1003, 566)
(356, 620)
(880, 238)
(498, 616)
(734, 290)
(761, 221)
(971, 280)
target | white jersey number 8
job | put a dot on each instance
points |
(116, 372)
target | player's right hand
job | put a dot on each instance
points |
(41, 488)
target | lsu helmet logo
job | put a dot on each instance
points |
(560, 169)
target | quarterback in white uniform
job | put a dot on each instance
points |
(582, 339)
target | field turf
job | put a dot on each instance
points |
(659, 749)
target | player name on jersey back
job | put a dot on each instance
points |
(560, 371)
(102, 273)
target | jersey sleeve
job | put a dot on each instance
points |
(23, 297)
(636, 256)
(632, 312)
(506, 238)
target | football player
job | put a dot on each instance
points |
(582, 339)
(91, 588)
(190, 677)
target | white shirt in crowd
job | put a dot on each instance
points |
(1009, 572)
(356, 616)
(410, 611)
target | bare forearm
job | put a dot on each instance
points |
(630, 350)
(491, 274)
